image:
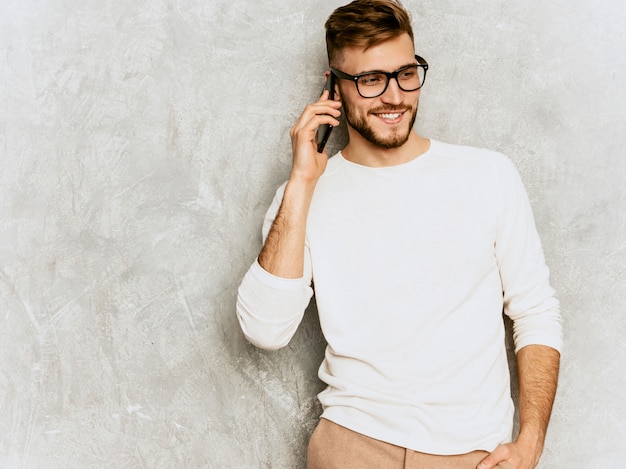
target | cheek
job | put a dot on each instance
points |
(353, 112)
(355, 107)
(349, 95)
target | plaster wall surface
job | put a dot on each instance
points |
(140, 144)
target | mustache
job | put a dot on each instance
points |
(390, 109)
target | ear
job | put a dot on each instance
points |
(337, 91)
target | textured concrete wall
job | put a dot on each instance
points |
(140, 143)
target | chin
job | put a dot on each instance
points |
(388, 142)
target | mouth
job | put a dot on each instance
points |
(390, 117)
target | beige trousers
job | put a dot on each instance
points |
(335, 447)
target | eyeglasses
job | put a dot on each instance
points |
(373, 84)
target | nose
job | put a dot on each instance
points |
(393, 94)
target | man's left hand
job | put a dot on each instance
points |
(509, 456)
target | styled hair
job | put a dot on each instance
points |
(365, 23)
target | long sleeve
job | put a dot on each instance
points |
(270, 308)
(528, 298)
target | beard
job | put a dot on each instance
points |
(361, 125)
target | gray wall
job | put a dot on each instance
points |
(140, 143)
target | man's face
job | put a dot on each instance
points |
(387, 120)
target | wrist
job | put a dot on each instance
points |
(303, 179)
(531, 443)
(299, 189)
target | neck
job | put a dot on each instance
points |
(361, 151)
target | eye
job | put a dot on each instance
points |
(408, 73)
(372, 79)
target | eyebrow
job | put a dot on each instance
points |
(383, 71)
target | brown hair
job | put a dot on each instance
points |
(365, 23)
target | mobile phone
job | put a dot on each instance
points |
(324, 130)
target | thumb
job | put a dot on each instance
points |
(500, 454)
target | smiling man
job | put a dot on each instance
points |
(415, 247)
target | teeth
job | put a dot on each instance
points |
(390, 116)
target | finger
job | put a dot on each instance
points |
(307, 134)
(314, 116)
(321, 107)
(505, 465)
(326, 99)
(500, 454)
(313, 122)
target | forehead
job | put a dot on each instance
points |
(386, 56)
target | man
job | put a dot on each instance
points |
(414, 248)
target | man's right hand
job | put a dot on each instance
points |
(308, 164)
(283, 252)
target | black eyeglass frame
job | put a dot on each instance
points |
(355, 78)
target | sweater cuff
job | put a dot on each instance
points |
(274, 282)
(270, 308)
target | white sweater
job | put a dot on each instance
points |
(412, 266)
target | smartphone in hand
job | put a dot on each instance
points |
(324, 130)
